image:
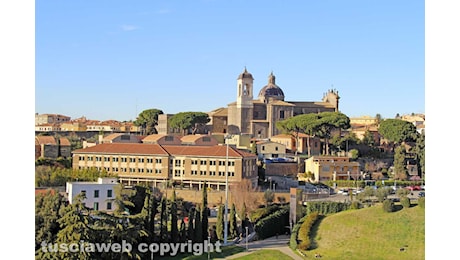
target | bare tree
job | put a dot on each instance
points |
(244, 193)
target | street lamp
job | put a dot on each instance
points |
(209, 244)
(247, 238)
(226, 192)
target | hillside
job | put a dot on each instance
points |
(371, 233)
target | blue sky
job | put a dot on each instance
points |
(112, 59)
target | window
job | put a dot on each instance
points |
(194, 162)
(96, 206)
(276, 148)
(177, 173)
(123, 159)
(206, 139)
(178, 163)
(212, 162)
(83, 192)
(263, 147)
(281, 114)
(158, 171)
(109, 205)
(141, 160)
(109, 193)
(132, 160)
(115, 159)
(96, 193)
(203, 162)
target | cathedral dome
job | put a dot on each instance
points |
(271, 90)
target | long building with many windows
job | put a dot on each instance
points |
(159, 165)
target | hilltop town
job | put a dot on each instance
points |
(260, 157)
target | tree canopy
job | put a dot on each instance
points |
(397, 130)
(148, 119)
(188, 122)
(312, 124)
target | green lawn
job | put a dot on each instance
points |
(226, 251)
(266, 254)
(371, 233)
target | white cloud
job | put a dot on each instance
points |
(129, 27)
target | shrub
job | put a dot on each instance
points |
(388, 206)
(273, 224)
(355, 205)
(405, 202)
(305, 244)
(305, 230)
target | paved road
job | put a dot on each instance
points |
(281, 243)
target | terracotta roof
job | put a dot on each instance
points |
(64, 141)
(281, 103)
(112, 136)
(220, 112)
(153, 137)
(208, 151)
(192, 138)
(124, 148)
(313, 104)
(155, 149)
(43, 139)
(44, 191)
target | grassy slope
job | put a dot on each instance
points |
(371, 233)
(265, 254)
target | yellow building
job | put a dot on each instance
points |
(325, 168)
(157, 164)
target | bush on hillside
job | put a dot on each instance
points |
(405, 202)
(388, 206)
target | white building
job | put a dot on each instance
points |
(98, 194)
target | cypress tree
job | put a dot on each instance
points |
(198, 235)
(204, 214)
(233, 225)
(173, 213)
(163, 220)
(220, 223)
(190, 227)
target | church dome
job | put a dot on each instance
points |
(245, 75)
(271, 90)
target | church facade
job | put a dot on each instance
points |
(258, 116)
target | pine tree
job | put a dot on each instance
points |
(74, 225)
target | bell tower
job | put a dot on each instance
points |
(245, 85)
(240, 112)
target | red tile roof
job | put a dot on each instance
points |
(123, 148)
(64, 141)
(44, 139)
(155, 149)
